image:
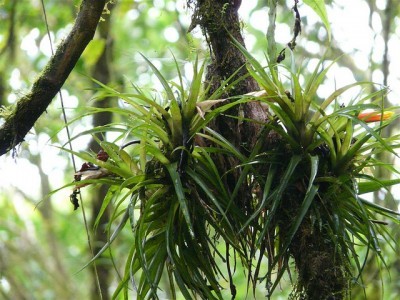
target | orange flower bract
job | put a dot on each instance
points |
(374, 116)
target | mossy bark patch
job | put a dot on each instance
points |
(31, 106)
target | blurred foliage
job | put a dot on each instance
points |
(40, 255)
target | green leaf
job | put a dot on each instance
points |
(207, 191)
(382, 210)
(157, 153)
(175, 261)
(160, 77)
(300, 105)
(315, 120)
(93, 52)
(317, 77)
(176, 128)
(308, 199)
(119, 170)
(195, 88)
(117, 231)
(373, 186)
(319, 7)
(223, 142)
(347, 139)
(176, 180)
(127, 159)
(314, 170)
(287, 118)
(277, 195)
(106, 201)
(123, 284)
(266, 193)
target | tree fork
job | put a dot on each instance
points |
(31, 106)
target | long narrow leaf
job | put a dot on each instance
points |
(160, 77)
(179, 190)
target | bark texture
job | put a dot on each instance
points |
(31, 106)
(220, 24)
(322, 270)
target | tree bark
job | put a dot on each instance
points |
(220, 24)
(31, 106)
(219, 21)
(320, 264)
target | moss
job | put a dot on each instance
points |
(322, 268)
(322, 271)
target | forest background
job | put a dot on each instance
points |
(43, 241)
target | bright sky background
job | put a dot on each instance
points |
(349, 28)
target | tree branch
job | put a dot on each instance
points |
(31, 106)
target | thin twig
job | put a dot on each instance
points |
(72, 156)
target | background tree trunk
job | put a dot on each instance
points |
(102, 72)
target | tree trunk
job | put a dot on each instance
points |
(218, 20)
(220, 24)
(320, 266)
(322, 272)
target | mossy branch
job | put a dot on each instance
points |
(31, 106)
